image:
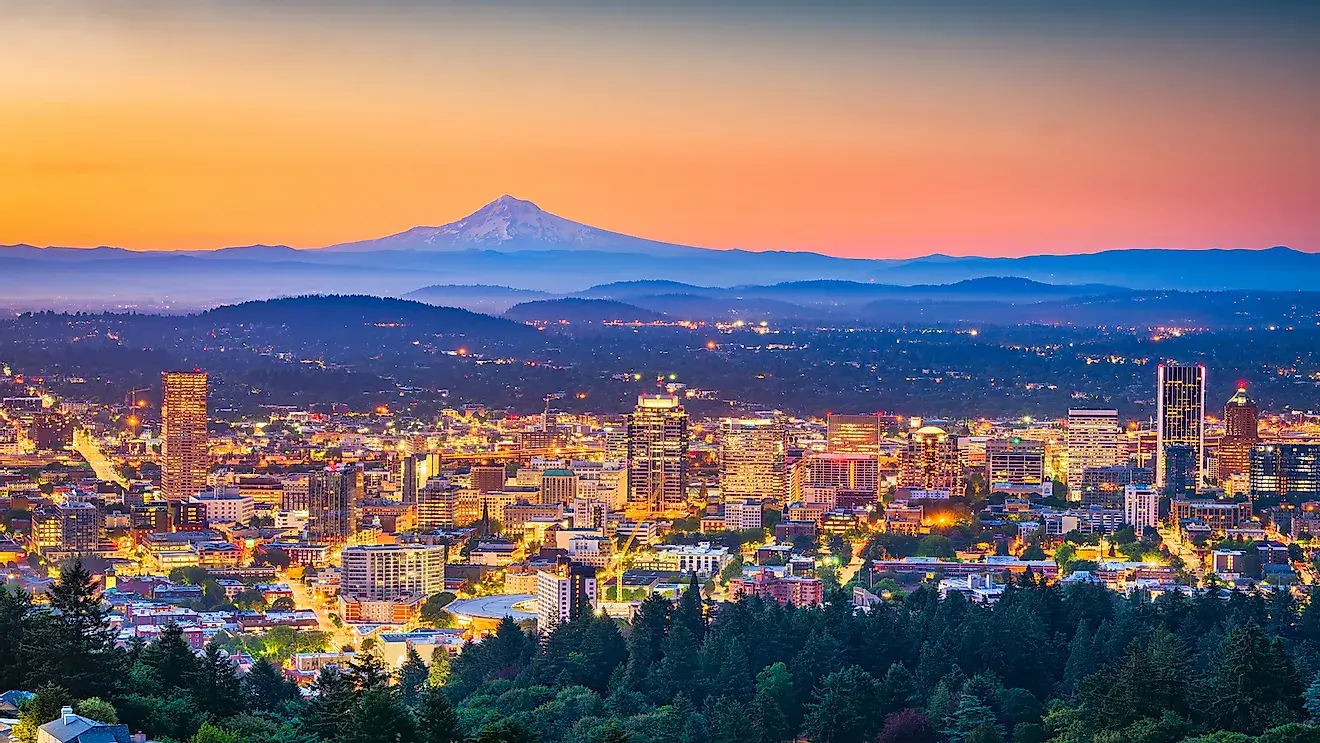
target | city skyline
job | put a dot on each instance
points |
(876, 131)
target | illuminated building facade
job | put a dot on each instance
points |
(1240, 434)
(184, 461)
(930, 461)
(334, 499)
(752, 454)
(1092, 441)
(1288, 471)
(853, 433)
(658, 441)
(1180, 417)
(1014, 462)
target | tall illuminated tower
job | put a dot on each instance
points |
(1240, 434)
(1180, 415)
(184, 461)
(752, 459)
(1092, 443)
(657, 454)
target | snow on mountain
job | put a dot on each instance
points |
(510, 224)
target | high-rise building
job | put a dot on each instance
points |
(1288, 471)
(334, 500)
(930, 461)
(752, 455)
(392, 572)
(1180, 470)
(841, 471)
(558, 486)
(486, 479)
(1240, 434)
(1092, 441)
(853, 433)
(75, 526)
(562, 592)
(1014, 462)
(416, 469)
(1141, 508)
(436, 504)
(1180, 416)
(184, 460)
(657, 454)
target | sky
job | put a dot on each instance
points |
(858, 129)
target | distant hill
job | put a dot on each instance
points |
(492, 300)
(578, 310)
(355, 311)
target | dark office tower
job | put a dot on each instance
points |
(1180, 416)
(487, 479)
(1240, 434)
(184, 460)
(334, 498)
(853, 433)
(1288, 471)
(657, 454)
(1180, 470)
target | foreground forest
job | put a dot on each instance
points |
(1069, 665)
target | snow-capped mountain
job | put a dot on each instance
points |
(510, 224)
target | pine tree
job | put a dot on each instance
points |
(73, 641)
(773, 708)
(438, 673)
(1254, 684)
(907, 726)
(898, 689)
(1081, 657)
(966, 723)
(844, 708)
(326, 714)
(436, 717)
(612, 733)
(380, 717)
(412, 677)
(15, 615)
(367, 671)
(39, 710)
(1312, 700)
(505, 731)
(216, 685)
(266, 688)
(688, 613)
(729, 721)
(169, 663)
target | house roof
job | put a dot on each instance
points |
(78, 729)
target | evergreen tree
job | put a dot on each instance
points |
(1081, 658)
(968, 722)
(73, 641)
(505, 731)
(266, 688)
(368, 671)
(773, 708)
(412, 675)
(612, 733)
(688, 612)
(844, 708)
(1312, 700)
(168, 665)
(380, 717)
(327, 712)
(15, 615)
(1254, 685)
(729, 721)
(436, 717)
(216, 685)
(898, 689)
(438, 673)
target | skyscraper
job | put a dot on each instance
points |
(184, 461)
(334, 500)
(1240, 434)
(657, 454)
(416, 470)
(1180, 416)
(752, 454)
(1014, 462)
(1092, 441)
(562, 592)
(930, 461)
(853, 433)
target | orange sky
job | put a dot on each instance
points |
(151, 127)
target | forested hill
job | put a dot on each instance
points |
(1068, 665)
(353, 311)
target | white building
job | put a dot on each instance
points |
(740, 515)
(225, 507)
(704, 559)
(563, 590)
(392, 572)
(1141, 507)
(1092, 441)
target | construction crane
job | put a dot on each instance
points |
(130, 400)
(620, 558)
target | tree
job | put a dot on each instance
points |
(1255, 684)
(898, 689)
(15, 616)
(1312, 699)
(326, 715)
(844, 708)
(39, 710)
(438, 673)
(935, 545)
(209, 733)
(368, 671)
(216, 684)
(436, 717)
(95, 708)
(412, 677)
(168, 664)
(433, 612)
(969, 721)
(380, 717)
(266, 688)
(73, 642)
(505, 731)
(907, 726)
(773, 707)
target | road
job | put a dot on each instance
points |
(86, 445)
(303, 599)
(1184, 550)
